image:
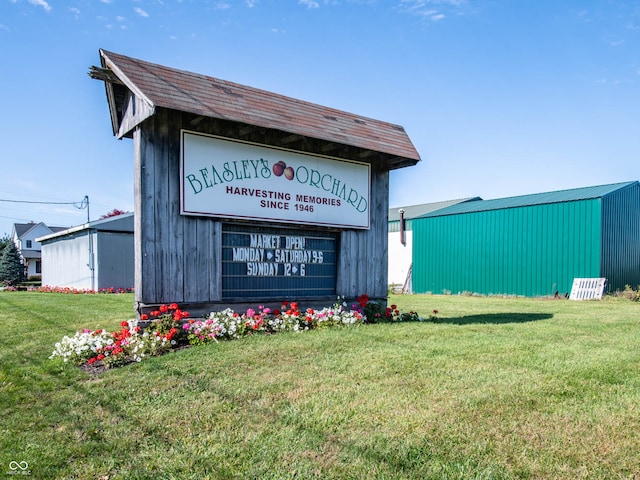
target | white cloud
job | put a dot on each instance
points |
(106, 1)
(41, 3)
(222, 6)
(431, 9)
(4, 27)
(120, 18)
(251, 3)
(309, 3)
(140, 12)
(75, 11)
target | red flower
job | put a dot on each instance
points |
(124, 324)
(173, 306)
(100, 357)
(144, 316)
(294, 305)
(92, 361)
(137, 329)
(435, 312)
(155, 313)
(164, 308)
(363, 300)
(284, 305)
(276, 312)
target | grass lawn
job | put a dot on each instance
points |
(497, 389)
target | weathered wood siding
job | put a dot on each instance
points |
(178, 258)
(362, 265)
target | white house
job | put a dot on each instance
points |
(25, 236)
(93, 256)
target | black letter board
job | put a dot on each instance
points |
(276, 263)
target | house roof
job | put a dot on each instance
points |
(417, 211)
(571, 195)
(31, 254)
(22, 228)
(164, 87)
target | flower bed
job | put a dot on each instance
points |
(170, 328)
(79, 291)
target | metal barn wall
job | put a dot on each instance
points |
(532, 251)
(621, 238)
(114, 260)
(65, 261)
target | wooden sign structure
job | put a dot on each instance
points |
(246, 197)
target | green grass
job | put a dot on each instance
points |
(497, 389)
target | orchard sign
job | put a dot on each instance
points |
(232, 179)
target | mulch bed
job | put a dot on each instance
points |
(99, 367)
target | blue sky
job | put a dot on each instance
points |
(500, 97)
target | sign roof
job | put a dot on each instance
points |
(165, 87)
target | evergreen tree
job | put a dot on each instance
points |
(11, 267)
(4, 241)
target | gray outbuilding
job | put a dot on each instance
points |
(97, 255)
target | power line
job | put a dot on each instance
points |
(41, 203)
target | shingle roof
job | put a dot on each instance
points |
(22, 228)
(417, 211)
(31, 254)
(576, 194)
(180, 90)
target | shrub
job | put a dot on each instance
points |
(629, 293)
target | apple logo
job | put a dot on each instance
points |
(278, 168)
(288, 173)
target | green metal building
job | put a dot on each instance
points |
(531, 245)
(400, 241)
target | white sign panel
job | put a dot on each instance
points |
(224, 178)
